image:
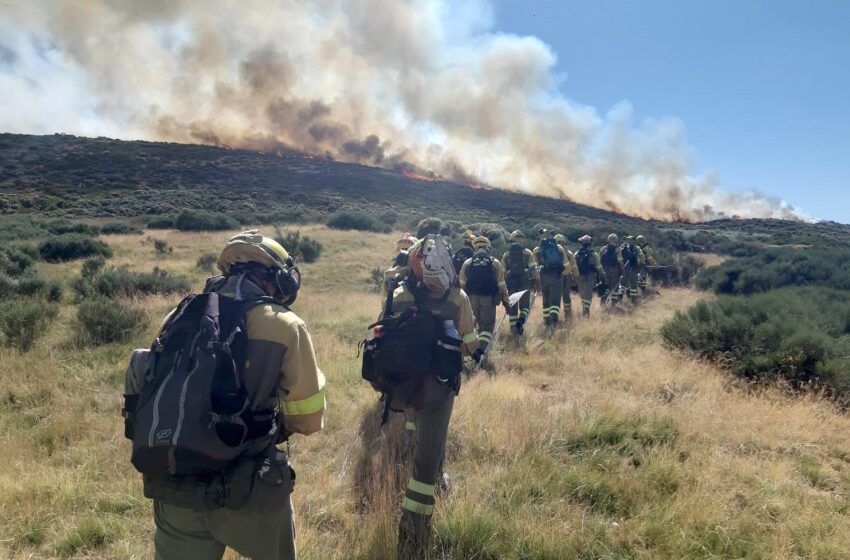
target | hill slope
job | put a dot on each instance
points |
(82, 177)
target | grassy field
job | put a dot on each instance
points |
(595, 442)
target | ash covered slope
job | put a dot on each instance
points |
(76, 177)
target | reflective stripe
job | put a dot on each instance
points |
(421, 487)
(309, 405)
(524, 313)
(410, 426)
(416, 507)
(470, 337)
(512, 320)
(484, 335)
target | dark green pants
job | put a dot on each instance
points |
(553, 286)
(183, 533)
(431, 416)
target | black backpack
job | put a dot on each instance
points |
(584, 261)
(609, 256)
(480, 276)
(630, 256)
(192, 416)
(553, 259)
(517, 263)
(406, 348)
(460, 257)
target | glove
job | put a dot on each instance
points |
(478, 356)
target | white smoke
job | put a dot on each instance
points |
(417, 84)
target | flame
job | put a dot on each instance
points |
(476, 185)
(613, 207)
(419, 177)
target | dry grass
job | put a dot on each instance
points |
(594, 442)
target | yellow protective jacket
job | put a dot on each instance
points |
(280, 363)
(648, 253)
(570, 267)
(498, 272)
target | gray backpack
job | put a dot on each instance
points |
(186, 407)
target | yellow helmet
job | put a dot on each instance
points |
(613, 239)
(641, 240)
(516, 235)
(405, 242)
(469, 235)
(585, 240)
(560, 239)
(481, 242)
(630, 239)
(250, 246)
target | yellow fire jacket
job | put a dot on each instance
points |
(498, 272)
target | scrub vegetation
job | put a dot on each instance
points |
(596, 442)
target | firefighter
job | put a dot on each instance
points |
(649, 257)
(612, 265)
(551, 259)
(192, 515)
(520, 274)
(633, 263)
(483, 280)
(461, 255)
(399, 264)
(570, 275)
(432, 288)
(590, 272)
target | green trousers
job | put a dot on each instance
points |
(183, 533)
(484, 311)
(553, 285)
(586, 283)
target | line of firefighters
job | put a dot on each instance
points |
(616, 272)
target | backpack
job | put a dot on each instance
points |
(609, 257)
(460, 257)
(518, 262)
(192, 415)
(584, 260)
(408, 347)
(630, 256)
(553, 258)
(480, 276)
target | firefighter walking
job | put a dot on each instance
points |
(551, 258)
(520, 274)
(483, 280)
(612, 267)
(569, 276)
(590, 272)
(633, 263)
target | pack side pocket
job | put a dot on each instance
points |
(273, 483)
(449, 356)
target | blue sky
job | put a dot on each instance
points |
(763, 87)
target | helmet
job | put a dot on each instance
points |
(481, 242)
(468, 236)
(516, 235)
(251, 247)
(585, 239)
(405, 242)
(543, 233)
(560, 239)
(613, 239)
(641, 240)
(630, 239)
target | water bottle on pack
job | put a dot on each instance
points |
(450, 330)
(449, 334)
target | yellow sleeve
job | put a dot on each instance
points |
(464, 272)
(538, 257)
(532, 260)
(302, 385)
(499, 270)
(641, 257)
(466, 324)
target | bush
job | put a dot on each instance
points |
(113, 228)
(92, 266)
(303, 249)
(777, 268)
(161, 222)
(102, 320)
(206, 261)
(58, 227)
(69, 246)
(114, 282)
(161, 247)
(201, 220)
(428, 226)
(15, 260)
(360, 221)
(23, 321)
(797, 334)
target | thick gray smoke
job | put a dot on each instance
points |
(417, 84)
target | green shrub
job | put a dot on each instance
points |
(102, 320)
(303, 249)
(15, 260)
(201, 220)
(161, 247)
(797, 334)
(21, 226)
(92, 265)
(114, 282)
(428, 226)
(356, 220)
(8, 285)
(23, 321)
(206, 261)
(161, 222)
(69, 246)
(59, 227)
(113, 228)
(777, 268)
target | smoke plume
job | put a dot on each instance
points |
(423, 85)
